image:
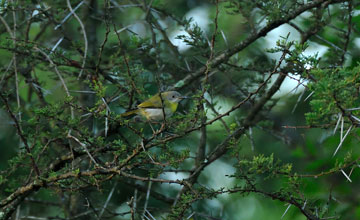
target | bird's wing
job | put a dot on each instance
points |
(153, 102)
(129, 113)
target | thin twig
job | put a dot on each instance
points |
(130, 204)
(59, 75)
(134, 203)
(107, 200)
(68, 15)
(15, 61)
(84, 146)
(106, 117)
(287, 209)
(20, 133)
(153, 218)
(347, 177)
(337, 123)
(56, 45)
(84, 35)
(147, 198)
(298, 101)
(342, 140)
(251, 139)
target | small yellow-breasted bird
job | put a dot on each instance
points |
(153, 110)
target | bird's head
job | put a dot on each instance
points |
(172, 96)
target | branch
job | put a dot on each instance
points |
(222, 148)
(84, 34)
(59, 75)
(224, 56)
(38, 183)
(21, 135)
(276, 196)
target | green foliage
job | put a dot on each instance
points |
(194, 37)
(265, 165)
(66, 79)
(273, 9)
(335, 92)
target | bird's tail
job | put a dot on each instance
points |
(129, 113)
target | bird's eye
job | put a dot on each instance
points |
(173, 96)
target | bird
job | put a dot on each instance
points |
(154, 108)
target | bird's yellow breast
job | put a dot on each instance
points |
(172, 105)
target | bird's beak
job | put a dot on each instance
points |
(185, 97)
